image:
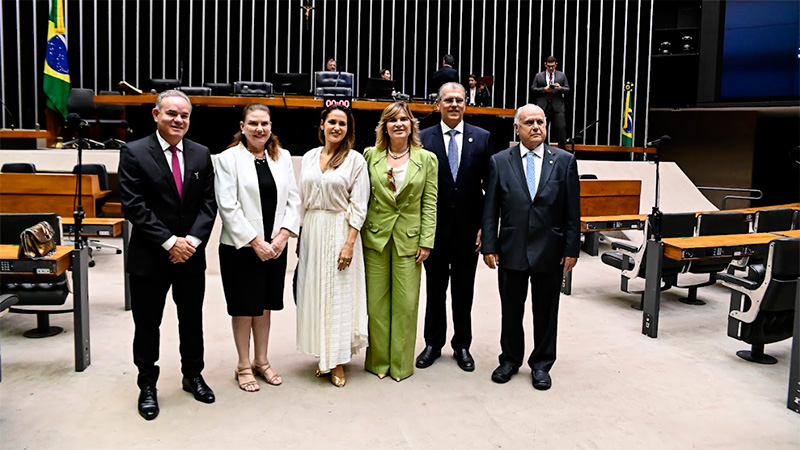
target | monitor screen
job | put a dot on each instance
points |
(291, 83)
(379, 88)
(761, 50)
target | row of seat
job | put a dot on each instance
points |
(766, 291)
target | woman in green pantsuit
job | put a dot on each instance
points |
(397, 235)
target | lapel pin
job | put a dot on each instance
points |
(469, 140)
(551, 161)
(197, 174)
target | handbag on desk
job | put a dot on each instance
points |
(37, 242)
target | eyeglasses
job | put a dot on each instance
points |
(456, 100)
(390, 175)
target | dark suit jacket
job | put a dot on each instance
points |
(532, 234)
(459, 208)
(442, 76)
(540, 82)
(151, 203)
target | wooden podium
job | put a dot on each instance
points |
(56, 193)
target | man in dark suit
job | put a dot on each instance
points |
(533, 192)
(463, 152)
(444, 75)
(167, 188)
(549, 88)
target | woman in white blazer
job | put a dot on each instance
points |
(260, 208)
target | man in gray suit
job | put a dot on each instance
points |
(549, 88)
(534, 194)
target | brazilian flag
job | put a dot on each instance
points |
(627, 117)
(56, 66)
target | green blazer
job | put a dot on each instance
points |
(409, 218)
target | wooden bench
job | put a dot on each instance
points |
(607, 198)
(57, 193)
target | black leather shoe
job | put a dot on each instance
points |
(198, 387)
(541, 380)
(148, 403)
(464, 360)
(504, 372)
(428, 356)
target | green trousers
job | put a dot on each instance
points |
(393, 284)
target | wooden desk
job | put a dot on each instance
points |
(35, 193)
(610, 148)
(692, 249)
(6, 133)
(613, 223)
(106, 227)
(63, 259)
(607, 198)
(291, 101)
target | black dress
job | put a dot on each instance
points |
(252, 285)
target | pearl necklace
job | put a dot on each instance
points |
(389, 152)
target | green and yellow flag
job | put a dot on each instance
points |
(627, 117)
(56, 66)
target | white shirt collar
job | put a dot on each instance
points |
(165, 145)
(446, 129)
(538, 151)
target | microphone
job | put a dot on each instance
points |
(74, 122)
(575, 140)
(663, 140)
(180, 74)
(11, 116)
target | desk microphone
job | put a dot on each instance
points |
(663, 140)
(11, 116)
(74, 121)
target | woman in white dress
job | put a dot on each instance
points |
(331, 287)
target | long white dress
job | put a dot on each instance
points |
(331, 304)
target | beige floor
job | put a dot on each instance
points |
(612, 386)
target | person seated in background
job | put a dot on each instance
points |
(331, 65)
(477, 92)
(385, 74)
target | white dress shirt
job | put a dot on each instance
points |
(169, 243)
(459, 138)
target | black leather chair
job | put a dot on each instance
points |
(763, 300)
(796, 220)
(195, 90)
(81, 102)
(221, 89)
(6, 301)
(768, 220)
(111, 117)
(588, 176)
(631, 260)
(333, 83)
(18, 168)
(713, 224)
(40, 295)
(102, 176)
(252, 88)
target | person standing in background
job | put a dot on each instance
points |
(549, 88)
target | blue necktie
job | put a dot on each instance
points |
(530, 176)
(452, 153)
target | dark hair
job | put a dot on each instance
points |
(551, 59)
(472, 75)
(381, 72)
(448, 59)
(273, 144)
(344, 146)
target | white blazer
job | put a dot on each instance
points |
(239, 201)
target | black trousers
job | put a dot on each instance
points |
(558, 126)
(545, 291)
(148, 298)
(455, 265)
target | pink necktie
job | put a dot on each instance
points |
(176, 170)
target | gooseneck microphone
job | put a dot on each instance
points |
(74, 121)
(663, 140)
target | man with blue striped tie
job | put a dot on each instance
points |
(463, 151)
(533, 195)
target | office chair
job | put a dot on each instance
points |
(112, 116)
(81, 102)
(333, 83)
(711, 224)
(768, 220)
(18, 168)
(763, 301)
(102, 177)
(39, 294)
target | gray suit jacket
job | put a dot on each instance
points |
(532, 234)
(541, 97)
